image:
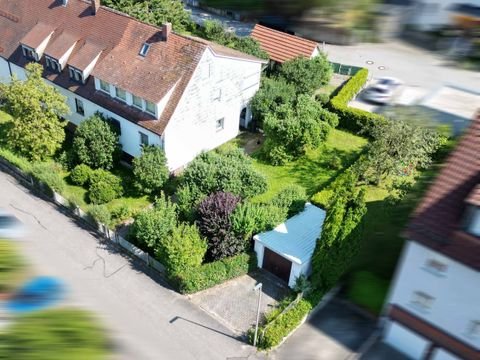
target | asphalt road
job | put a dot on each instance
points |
(415, 66)
(146, 319)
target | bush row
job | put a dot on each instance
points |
(351, 119)
(273, 333)
(214, 273)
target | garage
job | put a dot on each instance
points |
(406, 341)
(286, 251)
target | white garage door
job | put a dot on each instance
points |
(406, 341)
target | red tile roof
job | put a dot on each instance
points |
(119, 38)
(281, 46)
(438, 221)
(39, 32)
(60, 44)
(434, 334)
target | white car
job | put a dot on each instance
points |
(382, 91)
(10, 226)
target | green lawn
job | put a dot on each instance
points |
(312, 171)
(78, 194)
(382, 242)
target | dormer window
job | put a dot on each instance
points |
(75, 74)
(137, 102)
(121, 94)
(150, 107)
(104, 86)
(53, 64)
(29, 53)
(144, 50)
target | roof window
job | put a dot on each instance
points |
(144, 50)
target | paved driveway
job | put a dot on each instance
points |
(336, 332)
(415, 66)
(146, 319)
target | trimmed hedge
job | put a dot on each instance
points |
(282, 325)
(214, 273)
(353, 119)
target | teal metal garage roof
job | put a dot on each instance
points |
(295, 239)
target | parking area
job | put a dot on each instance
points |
(336, 332)
(234, 303)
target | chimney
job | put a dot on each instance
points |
(166, 30)
(95, 6)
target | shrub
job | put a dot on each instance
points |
(100, 214)
(95, 143)
(104, 187)
(80, 175)
(50, 174)
(10, 265)
(150, 170)
(122, 213)
(249, 219)
(292, 198)
(183, 250)
(322, 98)
(188, 199)
(152, 226)
(214, 223)
(335, 162)
(305, 74)
(214, 273)
(55, 334)
(230, 171)
(351, 119)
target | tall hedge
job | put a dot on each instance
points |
(352, 119)
(339, 240)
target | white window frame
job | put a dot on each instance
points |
(29, 53)
(100, 86)
(422, 301)
(144, 49)
(220, 122)
(50, 62)
(154, 112)
(142, 137)
(117, 89)
(79, 105)
(436, 267)
(135, 105)
(76, 75)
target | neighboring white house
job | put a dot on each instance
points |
(435, 14)
(287, 250)
(184, 94)
(433, 309)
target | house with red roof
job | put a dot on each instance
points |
(433, 309)
(181, 93)
(281, 46)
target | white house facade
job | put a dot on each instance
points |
(433, 309)
(184, 94)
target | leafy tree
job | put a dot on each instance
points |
(230, 171)
(150, 169)
(95, 143)
(291, 131)
(399, 147)
(54, 335)
(155, 12)
(249, 46)
(272, 93)
(214, 223)
(307, 74)
(104, 187)
(36, 108)
(183, 250)
(339, 240)
(154, 225)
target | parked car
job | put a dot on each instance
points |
(10, 226)
(382, 91)
(37, 294)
